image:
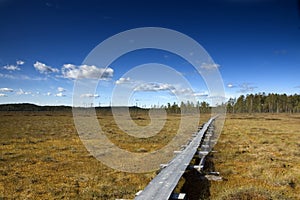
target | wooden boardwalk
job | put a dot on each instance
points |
(162, 186)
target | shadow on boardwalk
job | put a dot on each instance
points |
(197, 186)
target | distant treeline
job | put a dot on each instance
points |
(264, 103)
(36, 108)
(186, 107)
(251, 103)
(32, 107)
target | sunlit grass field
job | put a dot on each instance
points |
(258, 157)
(42, 157)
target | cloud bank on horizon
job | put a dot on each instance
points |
(73, 72)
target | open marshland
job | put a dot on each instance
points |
(42, 157)
(258, 157)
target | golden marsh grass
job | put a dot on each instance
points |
(42, 157)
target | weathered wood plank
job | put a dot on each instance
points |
(162, 186)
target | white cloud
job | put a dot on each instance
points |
(86, 72)
(14, 67)
(201, 94)
(183, 91)
(11, 67)
(20, 62)
(6, 90)
(89, 95)
(60, 94)
(22, 92)
(44, 69)
(230, 85)
(209, 66)
(7, 76)
(3, 95)
(187, 92)
(154, 87)
(48, 94)
(123, 80)
(21, 77)
(242, 88)
(61, 89)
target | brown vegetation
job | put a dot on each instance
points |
(42, 157)
(258, 157)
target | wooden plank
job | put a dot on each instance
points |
(162, 186)
(180, 196)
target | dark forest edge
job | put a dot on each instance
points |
(250, 103)
(264, 103)
(37, 108)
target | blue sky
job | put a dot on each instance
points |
(255, 44)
